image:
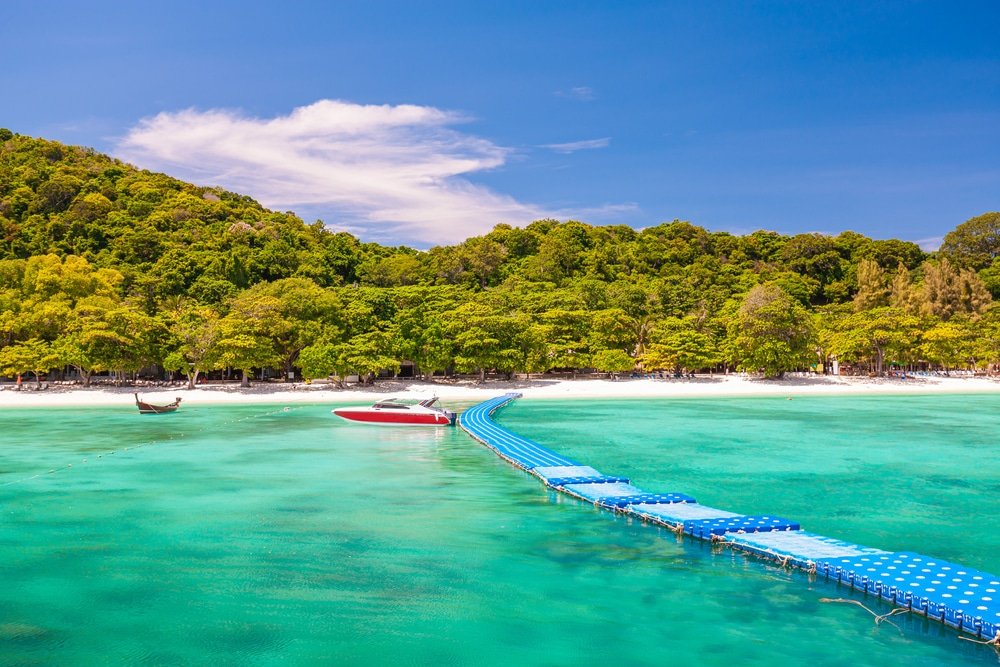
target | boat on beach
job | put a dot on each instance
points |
(150, 409)
(400, 412)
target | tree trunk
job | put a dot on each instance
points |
(482, 376)
(245, 378)
(193, 379)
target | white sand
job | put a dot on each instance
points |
(464, 392)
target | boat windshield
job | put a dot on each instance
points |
(397, 403)
(405, 403)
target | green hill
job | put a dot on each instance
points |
(107, 267)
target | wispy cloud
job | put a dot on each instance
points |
(574, 146)
(389, 172)
(930, 244)
(582, 93)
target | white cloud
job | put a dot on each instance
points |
(574, 146)
(393, 172)
(583, 93)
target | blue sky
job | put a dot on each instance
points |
(426, 123)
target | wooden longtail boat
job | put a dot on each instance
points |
(150, 409)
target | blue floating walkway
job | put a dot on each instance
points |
(957, 596)
(522, 452)
(964, 598)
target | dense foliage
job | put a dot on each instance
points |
(107, 268)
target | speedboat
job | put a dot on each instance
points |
(396, 411)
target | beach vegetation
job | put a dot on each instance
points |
(106, 268)
(872, 337)
(613, 362)
(323, 360)
(682, 345)
(949, 344)
(770, 332)
(194, 330)
(33, 356)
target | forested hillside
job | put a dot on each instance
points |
(108, 268)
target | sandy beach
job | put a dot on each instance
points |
(466, 391)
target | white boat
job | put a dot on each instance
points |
(395, 411)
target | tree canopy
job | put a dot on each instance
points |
(109, 268)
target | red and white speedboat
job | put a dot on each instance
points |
(394, 411)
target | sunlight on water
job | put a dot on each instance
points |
(258, 535)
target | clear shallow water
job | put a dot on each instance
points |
(254, 535)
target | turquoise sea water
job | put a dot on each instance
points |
(258, 535)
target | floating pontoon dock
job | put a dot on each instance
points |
(957, 596)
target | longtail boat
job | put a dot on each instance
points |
(150, 409)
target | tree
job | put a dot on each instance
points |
(306, 310)
(392, 271)
(986, 336)
(485, 339)
(873, 335)
(475, 262)
(872, 289)
(948, 291)
(560, 253)
(949, 344)
(816, 256)
(195, 330)
(370, 353)
(893, 252)
(975, 243)
(140, 338)
(563, 335)
(321, 360)
(33, 356)
(902, 293)
(246, 335)
(419, 327)
(770, 332)
(612, 329)
(76, 349)
(681, 344)
(89, 342)
(613, 361)
(104, 334)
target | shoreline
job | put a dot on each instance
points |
(718, 386)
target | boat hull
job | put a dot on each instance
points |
(369, 416)
(159, 410)
(150, 409)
